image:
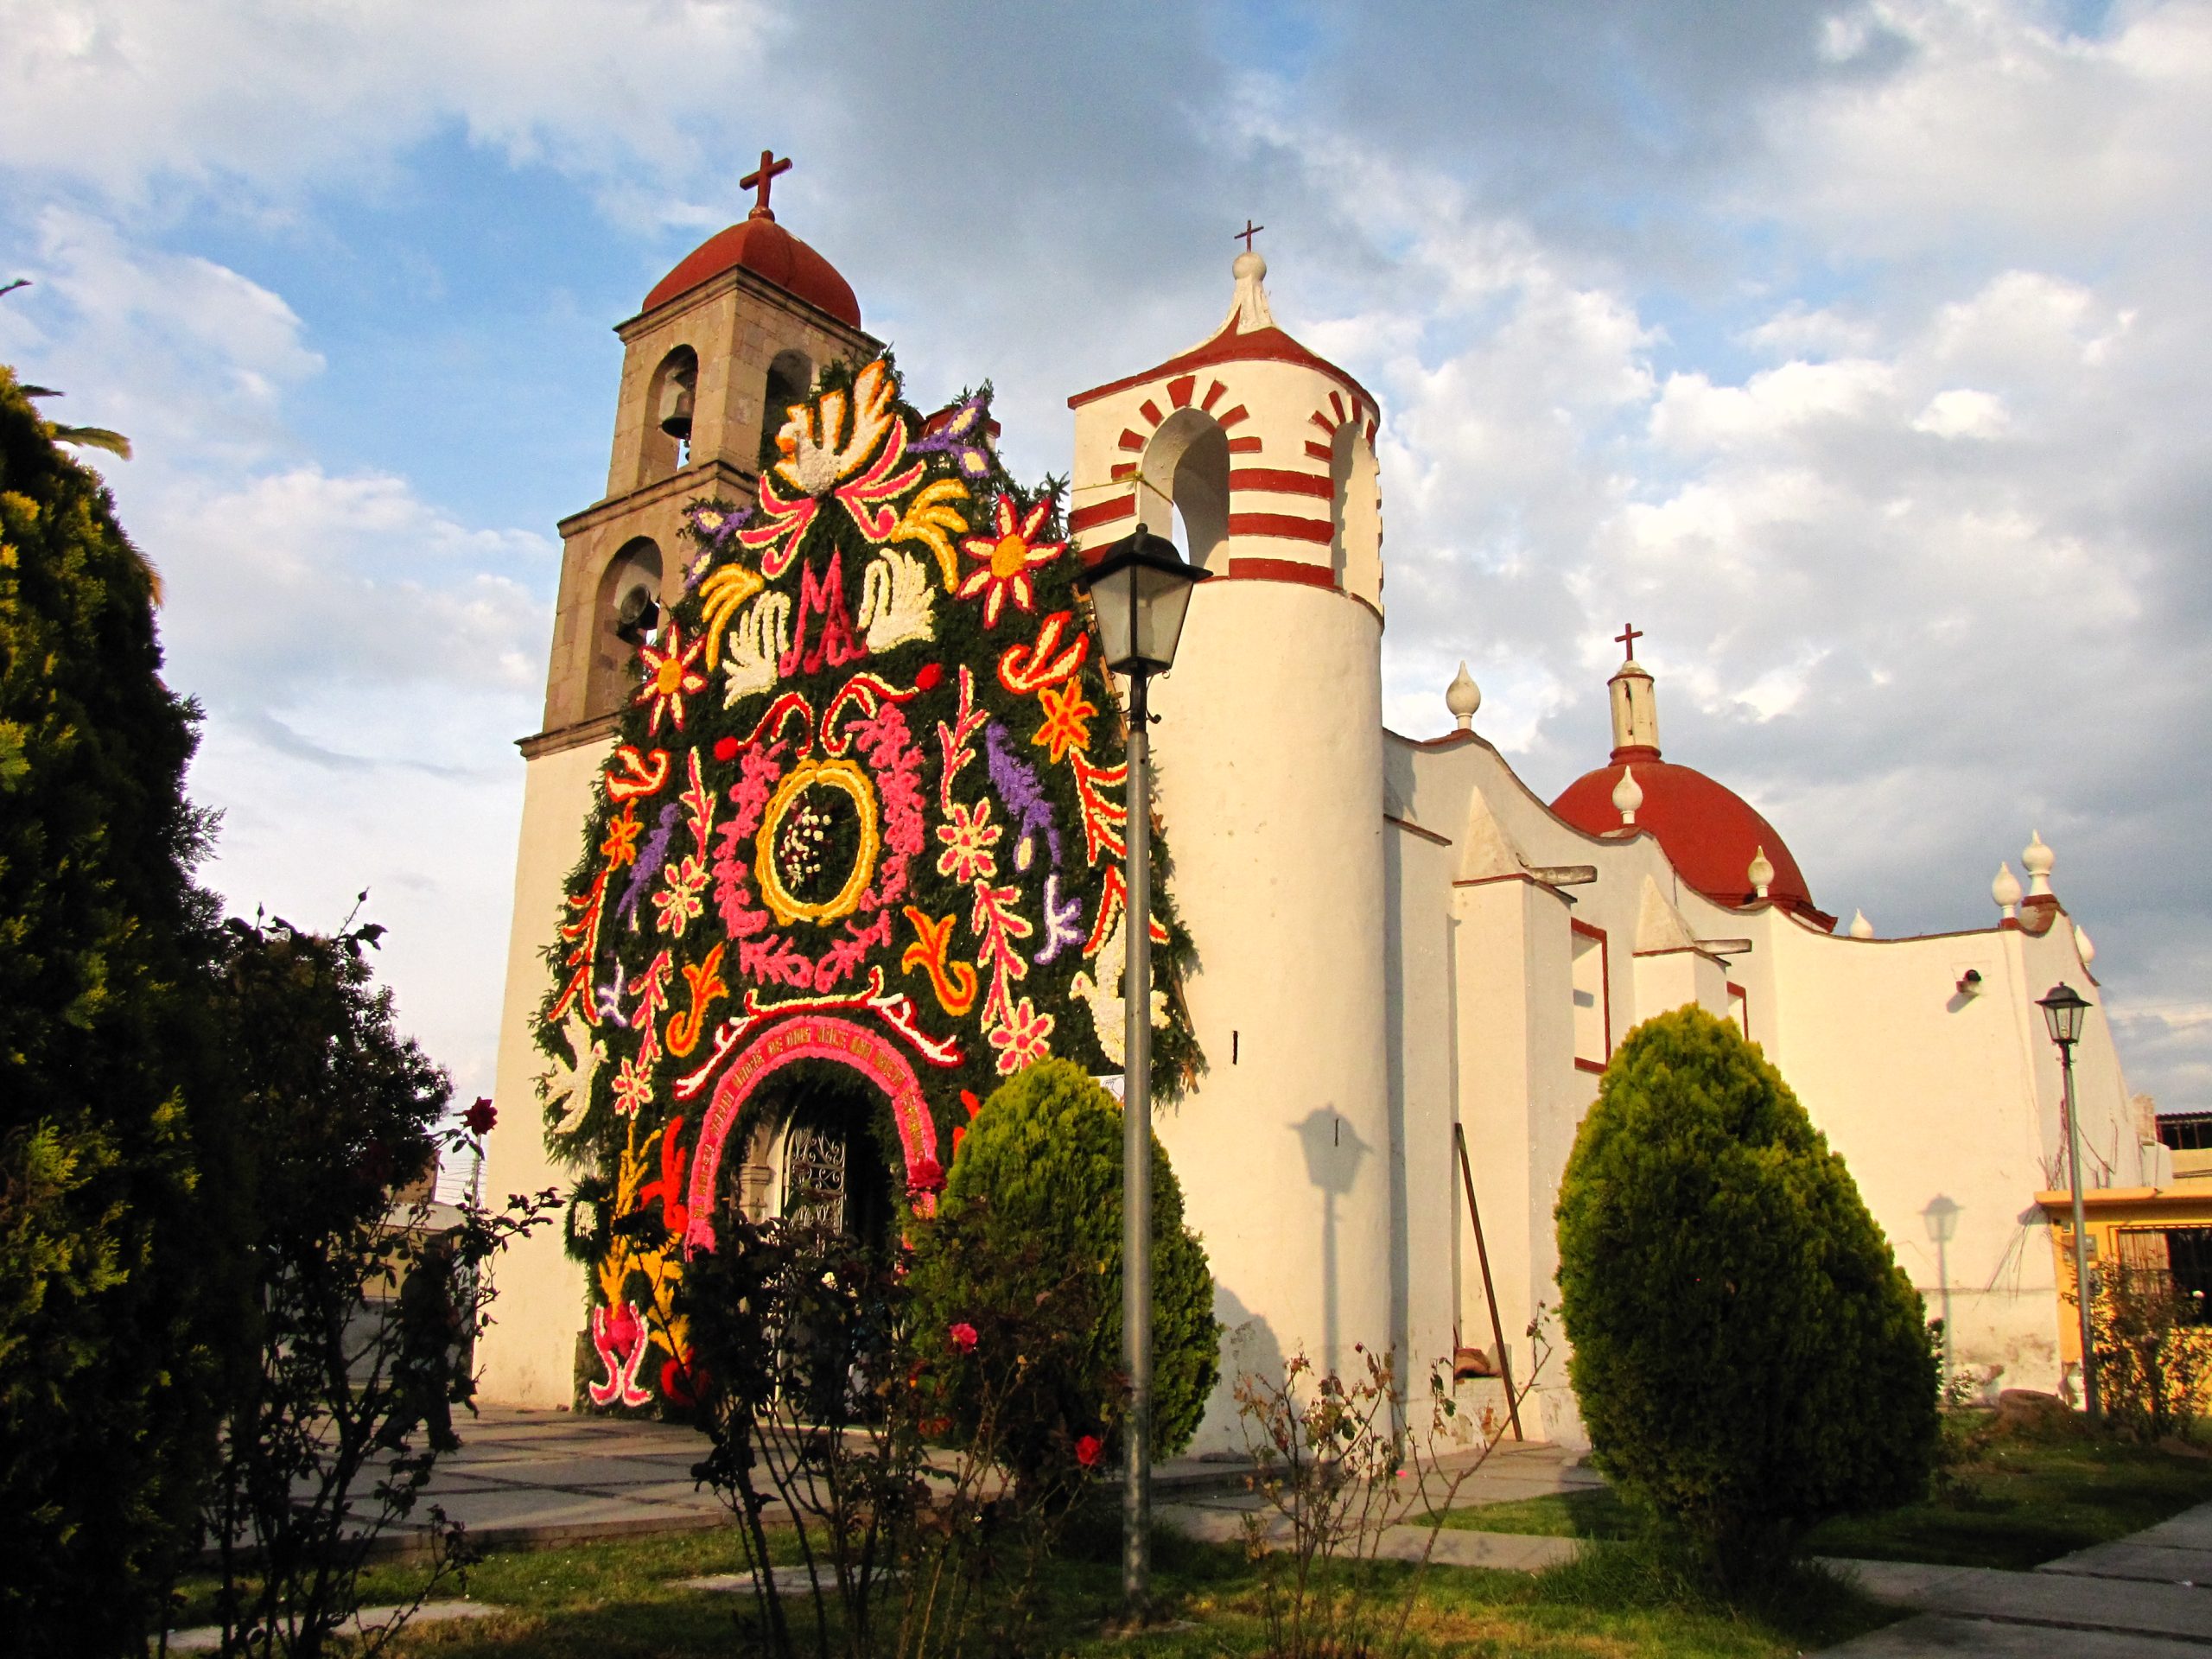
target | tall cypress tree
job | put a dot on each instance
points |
(102, 943)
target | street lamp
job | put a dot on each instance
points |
(2064, 1012)
(1942, 1220)
(1140, 590)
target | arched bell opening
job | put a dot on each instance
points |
(1183, 484)
(626, 613)
(669, 397)
(790, 381)
(1355, 514)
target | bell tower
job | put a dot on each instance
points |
(723, 343)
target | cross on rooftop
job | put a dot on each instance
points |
(1628, 636)
(761, 179)
(1249, 231)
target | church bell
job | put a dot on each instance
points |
(675, 406)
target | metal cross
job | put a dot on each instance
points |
(770, 167)
(1628, 636)
(1249, 231)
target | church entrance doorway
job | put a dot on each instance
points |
(820, 1158)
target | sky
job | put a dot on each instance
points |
(1861, 354)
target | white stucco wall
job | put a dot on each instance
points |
(528, 1357)
(1283, 1148)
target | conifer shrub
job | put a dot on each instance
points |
(1032, 1208)
(104, 935)
(1749, 1359)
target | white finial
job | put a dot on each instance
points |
(1628, 795)
(2038, 860)
(2083, 944)
(1251, 311)
(1463, 696)
(1762, 872)
(2006, 890)
(1860, 927)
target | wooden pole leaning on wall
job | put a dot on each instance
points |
(1490, 1293)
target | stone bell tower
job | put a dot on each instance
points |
(729, 338)
(1258, 457)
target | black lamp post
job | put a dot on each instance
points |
(1140, 590)
(2065, 1012)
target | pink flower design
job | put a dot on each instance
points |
(969, 835)
(634, 1086)
(962, 1336)
(1020, 1040)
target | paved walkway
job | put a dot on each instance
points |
(534, 1479)
(2141, 1597)
(531, 1480)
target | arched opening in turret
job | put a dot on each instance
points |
(790, 378)
(1183, 484)
(1355, 514)
(626, 613)
(669, 398)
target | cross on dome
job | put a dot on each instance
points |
(1249, 231)
(760, 179)
(1628, 636)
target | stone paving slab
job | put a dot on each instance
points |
(206, 1639)
(2047, 1600)
(1936, 1634)
(2134, 1558)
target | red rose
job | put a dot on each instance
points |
(962, 1336)
(1088, 1449)
(481, 1116)
(725, 748)
(927, 679)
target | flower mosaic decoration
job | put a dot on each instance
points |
(865, 811)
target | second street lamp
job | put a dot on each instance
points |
(2065, 1012)
(1140, 590)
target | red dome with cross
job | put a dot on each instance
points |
(760, 245)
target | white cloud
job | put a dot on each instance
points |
(125, 94)
(1962, 413)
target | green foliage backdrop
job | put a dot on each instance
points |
(1748, 1358)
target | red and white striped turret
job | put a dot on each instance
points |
(1266, 450)
(1258, 458)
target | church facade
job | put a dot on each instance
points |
(1405, 971)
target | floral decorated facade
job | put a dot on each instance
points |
(864, 808)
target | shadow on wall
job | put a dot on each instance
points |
(1333, 1154)
(1248, 1347)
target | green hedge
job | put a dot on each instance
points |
(1032, 1207)
(1749, 1359)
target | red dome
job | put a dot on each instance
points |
(765, 249)
(1705, 828)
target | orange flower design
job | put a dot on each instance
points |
(1008, 554)
(620, 846)
(671, 675)
(1067, 720)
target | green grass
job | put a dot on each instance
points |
(2010, 1501)
(617, 1601)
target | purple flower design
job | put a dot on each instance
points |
(965, 435)
(1023, 796)
(650, 857)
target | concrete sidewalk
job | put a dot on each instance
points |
(536, 1479)
(2136, 1597)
